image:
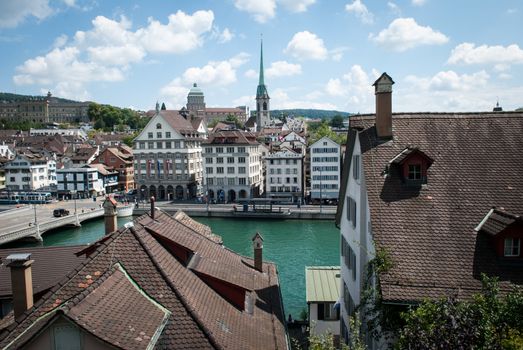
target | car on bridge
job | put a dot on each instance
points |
(60, 212)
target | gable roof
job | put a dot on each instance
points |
(429, 231)
(496, 221)
(199, 316)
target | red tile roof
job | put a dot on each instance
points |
(429, 230)
(200, 317)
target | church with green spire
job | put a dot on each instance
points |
(263, 113)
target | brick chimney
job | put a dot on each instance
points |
(383, 92)
(257, 244)
(21, 282)
(109, 206)
(152, 207)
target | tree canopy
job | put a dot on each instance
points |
(336, 121)
(105, 117)
(318, 130)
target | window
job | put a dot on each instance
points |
(348, 301)
(241, 149)
(210, 181)
(159, 135)
(242, 181)
(356, 167)
(208, 170)
(159, 144)
(230, 149)
(349, 256)
(219, 160)
(326, 311)
(414, 171)
(241, 159)
(158, 126)
(208, 160)
(230, 170)
(241, 170)
(208, 150)
(142, 145)
(230, 160)
(219, 170)
(219, 149)
(150, 145)
(512, 247)
(149, 135)
(66, 336)
(168, 144)
(351, 211)
(231, 181)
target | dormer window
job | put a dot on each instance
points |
(512, 247)
(158, 126)
(414, 172)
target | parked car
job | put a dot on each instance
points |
(60, 212)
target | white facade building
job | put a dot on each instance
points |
(325, 165)
(168, 158)
(284, 176)
(323, 294)
(84, 181)
(233, 166)
(78, 133)
(30, 171)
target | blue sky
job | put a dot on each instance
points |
(444, 55)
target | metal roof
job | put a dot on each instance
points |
(322, 283)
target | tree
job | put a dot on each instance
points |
(319, 130)
(233, 119)
(163, 107)
(337, 121)
(488, 321)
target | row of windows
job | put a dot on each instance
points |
(348, 256)
(325, 150)
(350, 307)
(279, 180)
(219, 160)
(229, 149)
(159, 134)
(231, 181)
(351, 211)
(160, 145)
(230, 170)
(284, 189)
(325, 159)
(324, 177)
(325, 186)
(280, 171)
(283, 161)
(325, 168)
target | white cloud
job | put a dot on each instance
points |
(306, 45)
(418, 2)
(395, 9)
(360, 10)
(246, 100)
(450, 81)
(260, 10)
(469, 53)
(213, 74)
(355, 87)
(251, 73)
(404, 33)
(70, 3)
(225, 36)
(12, 13)
(282, 69)
(334, 87)
(106, 51)
(281, 100)
(296, 5)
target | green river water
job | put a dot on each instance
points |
(291, 244)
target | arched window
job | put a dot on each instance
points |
(158, 126)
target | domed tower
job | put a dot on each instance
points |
(263, 113)
(195, 99)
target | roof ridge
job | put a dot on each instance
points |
(180, 296)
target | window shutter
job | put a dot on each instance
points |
(356, 167)
(321, 311)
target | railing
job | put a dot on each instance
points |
(36, 230)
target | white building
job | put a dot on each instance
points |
(284, 176)
(30, 170)
(325, 165)
(77, 133)
(6, 152)
(85, 181)
(168, 158)
(233, 166)
(323, 294)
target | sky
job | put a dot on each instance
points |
(444, 55)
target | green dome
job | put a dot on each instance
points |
(195, 91)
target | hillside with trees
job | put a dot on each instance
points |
(308, 113)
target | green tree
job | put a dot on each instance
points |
(163, 108)
(128, 140)
(233, 119)
(336, 121)
(319, 130)
(488, 321)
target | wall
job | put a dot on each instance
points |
(321, 327)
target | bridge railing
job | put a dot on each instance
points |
(56, 222)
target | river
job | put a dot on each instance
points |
(291, 244)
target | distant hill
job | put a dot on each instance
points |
(9, 97)
(308, 113)
(520, 109)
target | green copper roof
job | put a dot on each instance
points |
(261, 91)
(195, 90)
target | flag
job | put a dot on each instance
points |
(148, 167)
(158, 165)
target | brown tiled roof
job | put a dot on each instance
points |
(497, 220)
(176, 121)
(200, 317)
(429, 230)
(231, 137)
(194, 225)
(103, 169)
(50, 265)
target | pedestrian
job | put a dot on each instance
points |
(290, 320)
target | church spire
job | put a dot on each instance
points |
(261, 80)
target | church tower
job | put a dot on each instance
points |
(263, 114)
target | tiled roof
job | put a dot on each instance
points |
(176, 121)
(50, 265)
(497, 220)
(237, 137)
(429, 230)
(200, 317)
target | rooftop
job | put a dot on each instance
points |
(322, 283)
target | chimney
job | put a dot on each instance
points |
(21, 282)
(152, 207)
(383, 92)
(109, 206)
(257, 243)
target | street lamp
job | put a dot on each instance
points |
(73, 193)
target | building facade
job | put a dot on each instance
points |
(121, 160)
(232, 166)
(168, 158)
(30, 170)
(83, 182)
(322, 296)
(325, 164)
(284, 176)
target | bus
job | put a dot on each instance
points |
(25, 197)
